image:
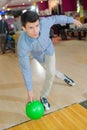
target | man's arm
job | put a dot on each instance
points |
(61, 19)
(27, 74)
(24, 61)
(7, 28)
(77, 23)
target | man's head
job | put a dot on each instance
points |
(3, 17)
(31, 24)
(16, 17)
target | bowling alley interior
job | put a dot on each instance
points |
(68, 103)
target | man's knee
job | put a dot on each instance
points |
(51, 74)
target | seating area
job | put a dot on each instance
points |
(69, 31)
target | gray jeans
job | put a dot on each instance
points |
(2, 42)
(50, 73)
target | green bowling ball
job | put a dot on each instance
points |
(34, 110)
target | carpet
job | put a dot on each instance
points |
(71, 58)
(84, 104)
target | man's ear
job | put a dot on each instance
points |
(23, 28)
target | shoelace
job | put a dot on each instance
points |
(44, 100)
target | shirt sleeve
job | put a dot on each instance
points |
(24, 61)
(58, 19)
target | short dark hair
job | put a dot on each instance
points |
(2, 14)
(16, 15)
(29, 16)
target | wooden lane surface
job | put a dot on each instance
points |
(73, 117)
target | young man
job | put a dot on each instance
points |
(35, 41)
(4, 31)
(17, 23)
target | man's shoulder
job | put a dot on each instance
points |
(21, 35)
(46, 18)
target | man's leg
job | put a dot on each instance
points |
(3, 44)
(0, 45)
(64, 77)
(49, 66)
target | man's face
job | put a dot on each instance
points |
(32, 29)
(16, 19)
(3, 18)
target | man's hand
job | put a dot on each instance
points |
(77, 23)
(30, 96)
